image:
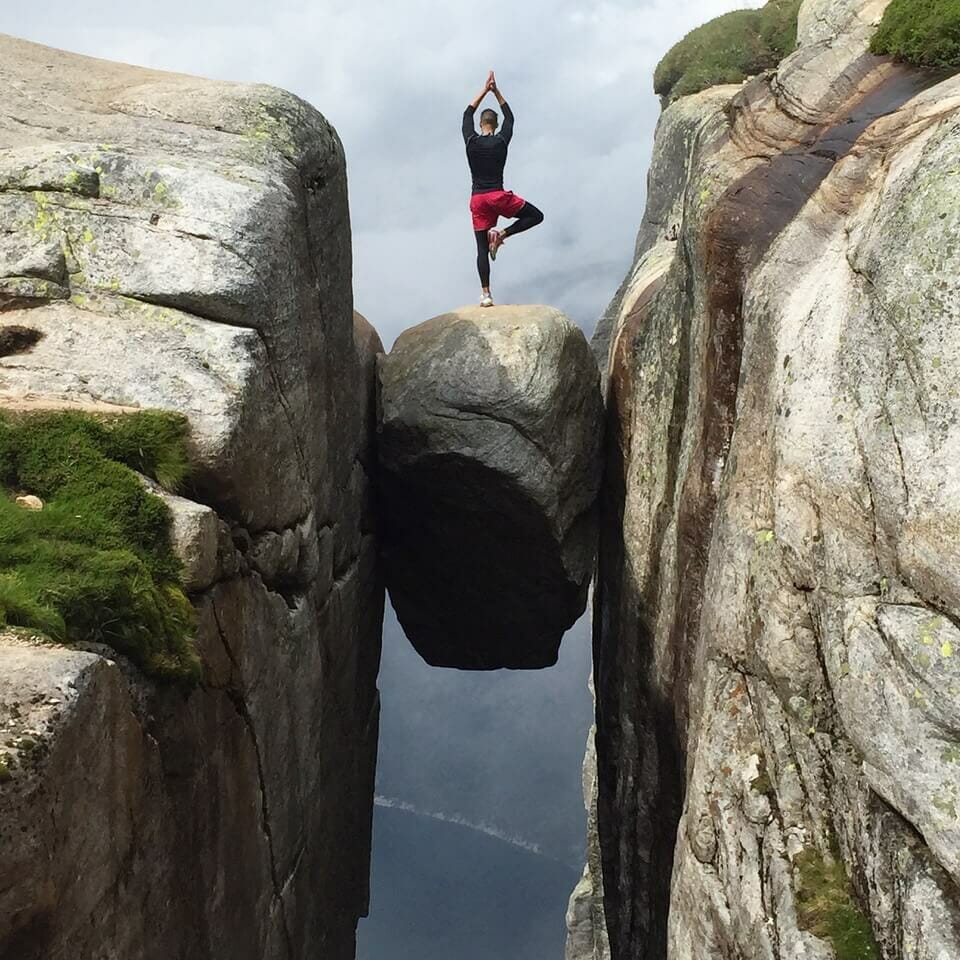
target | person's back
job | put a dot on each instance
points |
(487, 152)
(487, 156)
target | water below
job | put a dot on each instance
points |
(479, 826)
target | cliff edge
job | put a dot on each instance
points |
(183, 245)
(777, 596)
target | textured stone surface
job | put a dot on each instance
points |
(197, 533)
(72, 749)
(167, 213)
(489, 465)
(777, 591)
(679, 136)
(586, 923)
(185, 244)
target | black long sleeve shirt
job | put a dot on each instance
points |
(487, 153)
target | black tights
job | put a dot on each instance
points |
(528, 217)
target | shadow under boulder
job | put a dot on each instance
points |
(489, 454)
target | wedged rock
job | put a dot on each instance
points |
(196, 536)
(489, 469)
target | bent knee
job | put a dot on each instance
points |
(537, 215)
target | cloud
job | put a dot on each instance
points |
(394, 79)
(489, 747)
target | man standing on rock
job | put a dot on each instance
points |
(487, 156)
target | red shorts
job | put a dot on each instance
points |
(488, 207)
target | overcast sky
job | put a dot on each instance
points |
(393, 76)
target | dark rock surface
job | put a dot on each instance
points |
(489, 458)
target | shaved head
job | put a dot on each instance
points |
(489, 118)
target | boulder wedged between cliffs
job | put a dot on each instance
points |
(490, 429)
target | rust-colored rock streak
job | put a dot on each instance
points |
(741, 227)
(638, 823)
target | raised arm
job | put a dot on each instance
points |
(506, 130)
(469, 130)
(477, 100)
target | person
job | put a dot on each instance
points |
(487, 156)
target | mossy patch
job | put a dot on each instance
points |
(96, 563)
(762, 783)
(728, 49)
(827, 908)
(922, 32)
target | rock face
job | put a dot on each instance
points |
(489, 469)
(778, 585)
(586, 922)
(175, 243)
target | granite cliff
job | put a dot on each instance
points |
(777, 599)
(184, 245)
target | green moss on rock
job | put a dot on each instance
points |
(827, 908)
(728, 49)
(922, 32)
(96, 563)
